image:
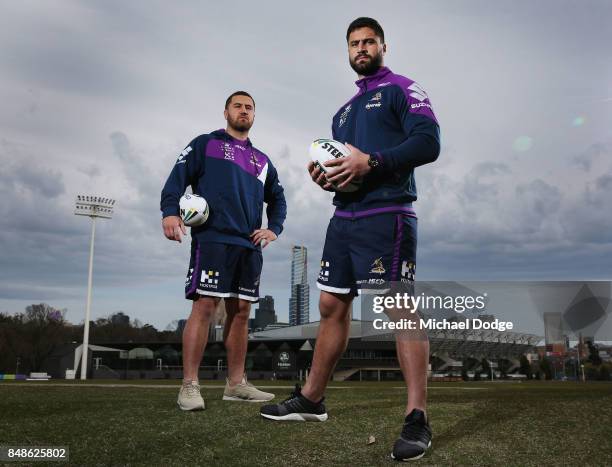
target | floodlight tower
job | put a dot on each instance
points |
(94, 207)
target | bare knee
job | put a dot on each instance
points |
(239, 310)
(334, 306)
(203, 309)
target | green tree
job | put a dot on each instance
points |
(546, 367)
(42, 331)
(486, 367)
(593, 357)
(604, 372)
(525, 366)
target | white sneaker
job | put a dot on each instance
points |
(189, 397)
(246, 392)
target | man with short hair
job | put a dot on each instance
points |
(236, 179)
(390, 128)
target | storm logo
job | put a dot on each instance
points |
(377, 267)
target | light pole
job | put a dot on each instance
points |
(94, 207)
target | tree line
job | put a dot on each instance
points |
(29, 338)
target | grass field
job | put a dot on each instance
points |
(138, 423)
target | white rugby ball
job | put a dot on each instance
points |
(322, 150)
(193, 210)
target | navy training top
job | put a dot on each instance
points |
(236, 179)
(390, 118)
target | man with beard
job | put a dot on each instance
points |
(390, 128)
(226, 260)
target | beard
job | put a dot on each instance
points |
(369, 67)
(239, 125)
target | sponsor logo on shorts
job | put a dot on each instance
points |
(408, 270)
(189, 276)
(377, 267)
(324, 273)
(371, 281)
(209, 279)
(242, 289)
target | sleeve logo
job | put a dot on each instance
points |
(417, 92)
(181, 157)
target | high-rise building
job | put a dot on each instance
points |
(299, 303)
(553, 328)
(264, 314)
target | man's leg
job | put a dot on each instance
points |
(413, 356)
(332, 339)
(235, 337)
(195, 335)
(412, 346)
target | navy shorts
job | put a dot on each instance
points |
(222, 270)
(363, 255)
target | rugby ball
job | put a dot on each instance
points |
(322, 150)
(193, 210)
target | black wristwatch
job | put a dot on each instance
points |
(373, 161)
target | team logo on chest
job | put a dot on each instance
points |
(344, 115)
(375, 101)
(228, 152)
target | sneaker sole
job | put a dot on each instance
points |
(297, 417)
(411, 458)
(187, 409)
(239, 399)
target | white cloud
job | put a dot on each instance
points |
(105, 94)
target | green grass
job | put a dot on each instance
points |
(502, 424)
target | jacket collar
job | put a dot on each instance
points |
(368, 82)
(229, 138)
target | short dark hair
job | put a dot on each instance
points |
(238, 93)
(365, 22)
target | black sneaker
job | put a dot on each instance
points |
(296, 408)
(414, 439)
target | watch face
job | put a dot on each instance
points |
(372, 162)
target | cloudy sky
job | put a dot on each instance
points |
(100, 97)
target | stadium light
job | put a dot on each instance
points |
(94, 207)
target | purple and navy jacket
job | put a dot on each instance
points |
(236, 179)
(392, 119)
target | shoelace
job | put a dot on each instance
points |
(192, 389)
(295, 394)
(412, 431)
